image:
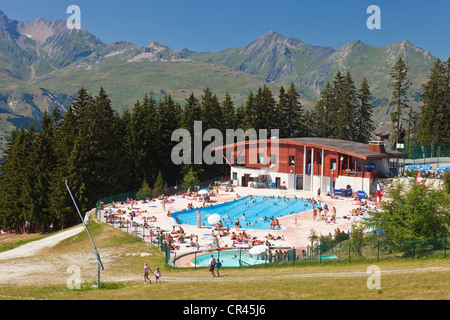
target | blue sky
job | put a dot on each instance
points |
(214, 25)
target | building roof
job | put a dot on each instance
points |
(356, 149)
(385, 131)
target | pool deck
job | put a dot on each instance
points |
(295, 227)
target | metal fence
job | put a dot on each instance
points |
(369, 249)
(374, 248)
(416, 152)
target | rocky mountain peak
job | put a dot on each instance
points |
(155, 46)
(38, 29)
(7, 27)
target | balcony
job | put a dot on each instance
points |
(359, 174)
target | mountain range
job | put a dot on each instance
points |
(43, 64)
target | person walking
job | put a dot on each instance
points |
(212, 264)
(218, 266)
(146, 270)
(158, 275)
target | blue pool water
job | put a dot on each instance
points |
(253, 212)
(229, 259)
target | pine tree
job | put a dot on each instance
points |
(308, 124)
(159, 182)
(279, 114)
(43, 161)
(80, 102)
(12, 179)
(168, 119)
(139, 130)
(400, 85)
(248, 112)
(364, 122)
(345, 95)
(434, 116)
(97, 167)
(144, 192)
(293, 113)
(264, 107)
(228, 113)
(212, 118)
(191, 113)
(61, 205)
(211, 112)
(323, 112)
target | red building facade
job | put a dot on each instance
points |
(308, 163)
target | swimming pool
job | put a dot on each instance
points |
(229, 259)
(253, 212)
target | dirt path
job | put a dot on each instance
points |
(32, 247)
(305, 275)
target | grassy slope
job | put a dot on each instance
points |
(261, 283)
(127, 82)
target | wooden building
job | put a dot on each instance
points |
(308, 164)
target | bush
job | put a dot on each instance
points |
(190, 180)
(341, 236)
(144, 192)
(416, 212)
(418, 247)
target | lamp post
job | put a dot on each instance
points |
(100, 264)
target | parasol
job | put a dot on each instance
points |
(203, 191)
(213, 219)
(258, 249)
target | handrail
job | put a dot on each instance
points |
(242, 262)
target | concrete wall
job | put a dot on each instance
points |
(288, 178)
(357, 184)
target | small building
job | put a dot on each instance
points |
(308, 164)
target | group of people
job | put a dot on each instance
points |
(214, 264)
(242, 237)
(274, 223)
(324, 213)
(157, 274)
(175, 237)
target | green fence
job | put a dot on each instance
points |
(425, 150)
(374, 249)
(269, 257)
